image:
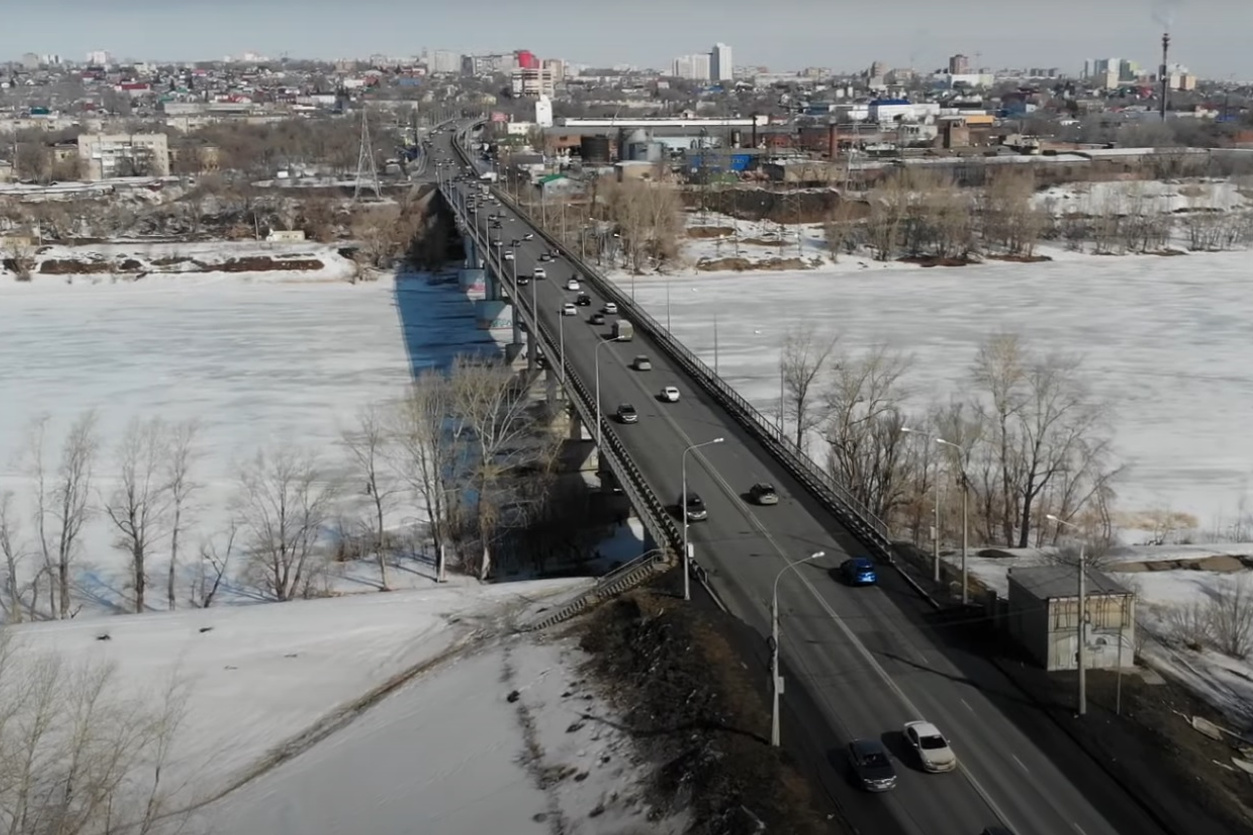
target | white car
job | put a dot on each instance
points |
(568, 309)
(670, 394)
(528, 237)
(933, 749)
(572, 284)
(508, 254)
(540, 273)
(610, 308)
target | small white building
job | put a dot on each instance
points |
(1042, 617)
(544, 112)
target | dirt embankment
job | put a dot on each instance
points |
(688, 700)
(132, 266)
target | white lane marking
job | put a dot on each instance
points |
(1021, 763)
(1079, 829)
(967, 704)
(853, 639)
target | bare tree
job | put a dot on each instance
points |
(1231, 617)
(802, 361)
(423, 455)
(1010, 222)
(137, 505)
(81, 757)
(282, 505)
(14, 556)
(864, 419)
(61, 501)
(181, 457)
(366, 446)
(19, 257)
(505, 440)
(214, 562)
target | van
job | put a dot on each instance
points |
(623, 331)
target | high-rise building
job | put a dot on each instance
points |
(959, 65)
(692, 67)
(441, 60)
(720, 66)
(526, 60)
(556, 66)
(99, 58)
(531, 83)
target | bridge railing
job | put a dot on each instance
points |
(836, 495)
(656, 518)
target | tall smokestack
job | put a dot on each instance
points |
(1163, 76)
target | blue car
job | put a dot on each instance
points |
(859, 571)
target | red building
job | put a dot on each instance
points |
(526, 59)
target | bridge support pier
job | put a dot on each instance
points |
(576, 426)
(532, 351)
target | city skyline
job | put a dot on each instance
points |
(1206, 36)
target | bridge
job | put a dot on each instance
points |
(859, 662)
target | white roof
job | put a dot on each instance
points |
(924, 728)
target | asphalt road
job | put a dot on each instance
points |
(865, 657)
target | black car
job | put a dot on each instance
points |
(763, 493)
(871, 766)
(597, 319)
(523, 279)
(556, 253)
(583, 300)
(545, 257)
(696, 510)
(627, 413)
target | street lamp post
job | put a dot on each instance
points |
(561, 330)
(935, 538)
(776, 678)
(687, 549)
(596, 365)
(965, 515)
(1082, 620)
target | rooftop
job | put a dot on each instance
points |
(1050, 582)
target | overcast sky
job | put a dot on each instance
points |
(1211, 37)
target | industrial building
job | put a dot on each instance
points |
(532, 83)
(1043, 618)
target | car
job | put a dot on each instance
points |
(933, 749)
(670, 394)
(642, 363)
(627, 413)
(597, 319)
(509, 255)
(515, 243)
(763, 493)
(871, 766)
(583, 300)
(495, 224)
(859, 571)
(545, 257)
(497, 242)
(528, 237)
(696, 510)
(472, 209)
(523, 279)
(572, 284)
(554, 252)
(611, 308)
(568, 309)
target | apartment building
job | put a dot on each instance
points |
(532, 83)
(107, 155)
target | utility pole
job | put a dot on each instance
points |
(365, 162)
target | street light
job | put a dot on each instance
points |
(776, 678)
(965, 513)
(596, 364)
(561, 329)
(936, 536)
(1081, 616)
(687, 549)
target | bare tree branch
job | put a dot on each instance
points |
(138, 504)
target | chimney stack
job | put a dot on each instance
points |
(1163, 75)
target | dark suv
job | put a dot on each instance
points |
(627, 413)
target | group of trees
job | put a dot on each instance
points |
(464, 450)
(1027, 440)
(916, 212)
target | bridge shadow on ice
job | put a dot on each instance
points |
(437, 320)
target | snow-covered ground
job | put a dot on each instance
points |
(1145, 196)
(150, 262)
(396, 713)
(258, 676)
(1165, 339)
(259, 364)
